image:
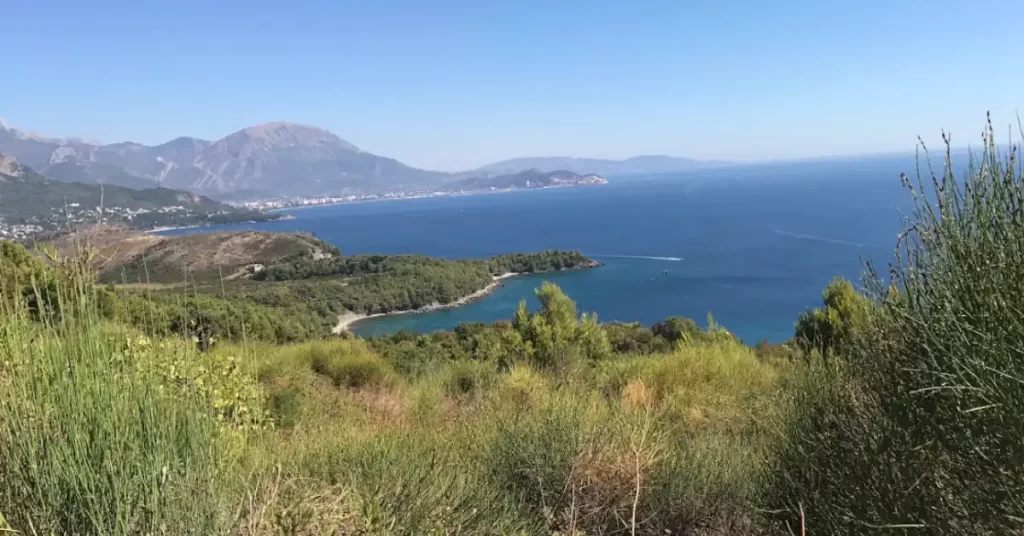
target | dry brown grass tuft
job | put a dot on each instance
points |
(289, 506)
(636, 395)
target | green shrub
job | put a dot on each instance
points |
(467, 377)
(352, 370)
(922, 428)
(531, 459)
(555, 337)
(834, 326)
(676, 328)
(286, 406)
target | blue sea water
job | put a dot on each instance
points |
(752, 245)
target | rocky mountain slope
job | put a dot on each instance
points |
(278, 159)
(264, 160)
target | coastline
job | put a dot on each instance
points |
(346, 320)
(436, 194)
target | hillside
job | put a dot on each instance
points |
(265, 160)
(263, 272)
(120, 254)
(31, 203)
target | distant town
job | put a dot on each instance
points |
(71, 215)
(278, 203)
(74, 215)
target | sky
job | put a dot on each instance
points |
(457, 84)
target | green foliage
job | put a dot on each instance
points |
(364, 265)
(466, 437)
(532, 459)
(502, 344)
(921, 425)
(353, 371)
(634, 339)
(535, 263)
(26, 280)
(396, 283)
(102, 432)
(467, 378)
(676, 328)
(555, 337)
(209, 318)
(285, 407)
(833, 327)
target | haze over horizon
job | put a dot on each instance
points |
(456, 85)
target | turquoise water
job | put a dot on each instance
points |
(754, 246)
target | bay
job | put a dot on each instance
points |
(753, 245)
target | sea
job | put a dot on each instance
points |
(749, 246)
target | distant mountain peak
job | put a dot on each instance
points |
(184, 140)
(279, 134)
(278, 158)
(25, 135)
(263, 129)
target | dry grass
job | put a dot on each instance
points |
(120, 254)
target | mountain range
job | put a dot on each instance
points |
(273, 160)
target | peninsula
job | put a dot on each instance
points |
(257, 274)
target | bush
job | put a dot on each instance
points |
(833, 327)
(286, 406)
(468, 377)
(352, 371)
(531, 459)
(922, 426)
(676, 328)
(554, 336)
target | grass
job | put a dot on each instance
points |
(93, 439)
(904, 414)
(468, 449)
(103, 430)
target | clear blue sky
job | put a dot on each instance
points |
(452, 85)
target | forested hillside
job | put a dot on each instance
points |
(31, 203)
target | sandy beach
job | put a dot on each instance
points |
(345, 320)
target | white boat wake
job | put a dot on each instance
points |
(637, 257)
(821, 238)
